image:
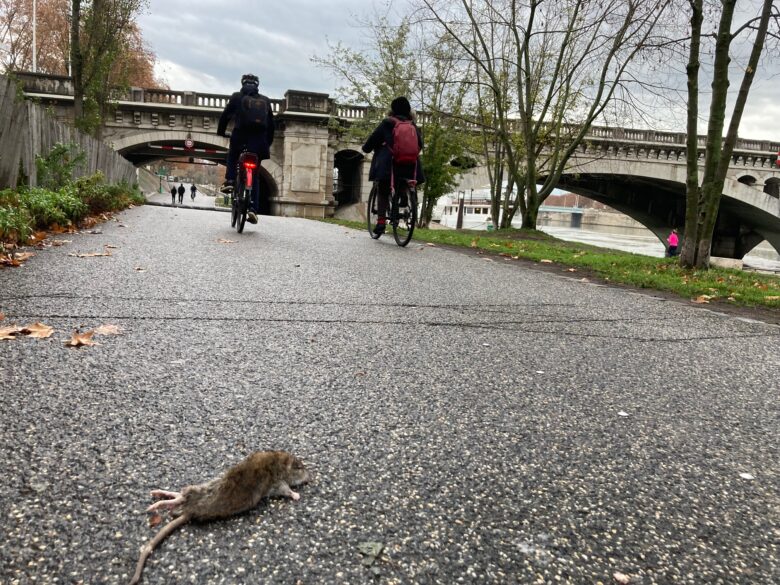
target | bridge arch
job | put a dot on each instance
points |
(747, 180)
(772, 187)
(653, 193)
(139, 147)
(347, 176)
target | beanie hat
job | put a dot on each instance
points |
(400, 106)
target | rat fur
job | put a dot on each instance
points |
(261, 474)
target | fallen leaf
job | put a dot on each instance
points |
(90, 254)
(747, 476)
(430, 244)
(108, 330)
(701, 299)
(22, 256)
(360, 373)
(772, 298)
(7, 333)
(545, 261)
(224, 241)
(622, 413)
(79, 339)
(154, 520)
(571, 270)
(139, 269)
(473, 243)
(621, 578)
(111, 246)
(2, 316)
(59, 242)
(37, 331)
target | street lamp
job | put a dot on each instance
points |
(34, 44)
(461, 197)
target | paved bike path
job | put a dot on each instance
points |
(485, 422)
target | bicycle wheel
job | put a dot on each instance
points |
(243, 208)
(372, 215)
(404, 218)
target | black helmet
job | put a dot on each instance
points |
(250, 78)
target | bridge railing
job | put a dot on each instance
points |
(322, 104)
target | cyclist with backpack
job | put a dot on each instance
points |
(396, 143)
(253, 130)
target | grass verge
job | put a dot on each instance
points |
(663, 274)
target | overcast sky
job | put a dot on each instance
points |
(206, 45)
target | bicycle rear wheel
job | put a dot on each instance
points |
(404, 218)
(372, 215)
(243, 208)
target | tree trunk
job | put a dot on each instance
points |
(77, 61)
(690, 232)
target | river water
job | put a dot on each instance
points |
(642, 241)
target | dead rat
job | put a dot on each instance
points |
(261, 474)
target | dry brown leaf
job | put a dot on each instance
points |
(107, 330)
(571, 270)
(90, 254)
(79, 339)
(22, 256)
(8, 333)
(621, 578)
(545, 261)
(59, 242)
(473, 243)
(772, 298)
(430, 244)
(224, 241)
(112, 246)
(701, 299)
(2, 316)
(140, 269)
(37, 331)
(154, 520)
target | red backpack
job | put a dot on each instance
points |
(405, 148)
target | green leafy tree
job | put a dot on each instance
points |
(401, 64)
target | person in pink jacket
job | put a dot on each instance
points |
(673, 240)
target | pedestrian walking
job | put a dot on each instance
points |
(173, 195)
(181, 193)
(673, 241)
(193, 189)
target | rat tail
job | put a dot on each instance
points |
(147, 549)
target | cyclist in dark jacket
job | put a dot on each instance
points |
(380, 141)
(253, 138)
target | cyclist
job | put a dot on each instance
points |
(382, 141)
(253, 130)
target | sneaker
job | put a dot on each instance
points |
(227, 187)
(379, 228)
(251, 217)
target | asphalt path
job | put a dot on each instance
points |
(481, 421)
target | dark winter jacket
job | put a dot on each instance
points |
(232, 111)
(380, 141)
(181, 189)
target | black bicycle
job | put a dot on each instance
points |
(241, 199)
(402, 216)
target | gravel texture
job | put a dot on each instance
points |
(482, 421)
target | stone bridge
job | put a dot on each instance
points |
(313, 171)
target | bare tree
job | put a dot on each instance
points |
(566, 60)
(704, 188)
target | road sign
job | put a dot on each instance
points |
(189, 143)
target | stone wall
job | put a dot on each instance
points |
(27, 130)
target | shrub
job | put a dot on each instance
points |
(47, 208)
(15, 224)
(55, 170)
